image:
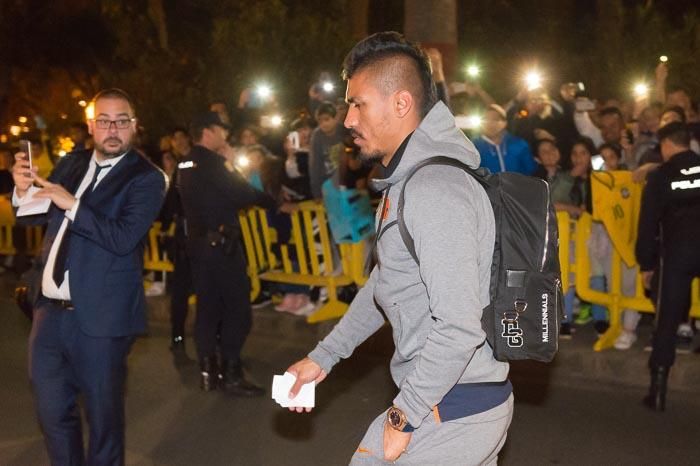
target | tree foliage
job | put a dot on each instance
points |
(173, 57)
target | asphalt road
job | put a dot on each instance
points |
(582, 410)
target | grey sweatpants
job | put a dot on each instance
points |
(472, 440)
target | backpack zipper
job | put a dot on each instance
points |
(546, 228)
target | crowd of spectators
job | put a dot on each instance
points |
(554, 136)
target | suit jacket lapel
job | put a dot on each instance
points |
(114, 180)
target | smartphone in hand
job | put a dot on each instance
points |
(26, 147)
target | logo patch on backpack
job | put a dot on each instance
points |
(511, 329)
(513, 333)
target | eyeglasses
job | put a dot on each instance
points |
(119, 124)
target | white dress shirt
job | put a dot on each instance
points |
(48, 286)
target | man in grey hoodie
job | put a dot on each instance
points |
(455, 402)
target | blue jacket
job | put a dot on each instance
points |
(107, 241)
(512, 155)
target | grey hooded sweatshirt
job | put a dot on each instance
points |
(434, 308)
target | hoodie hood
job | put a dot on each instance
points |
(437, 135)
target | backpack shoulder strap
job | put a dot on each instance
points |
(479, 175)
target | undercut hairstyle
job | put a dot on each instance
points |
(612, 111)
(115, 93)
(326, 108)
(675, 109)
(395, 64)
(675, 132)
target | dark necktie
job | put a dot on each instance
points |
(61, 263)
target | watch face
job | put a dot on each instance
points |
(394, 418)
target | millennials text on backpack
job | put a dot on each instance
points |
(522, 320)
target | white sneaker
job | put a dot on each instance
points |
(156, 289)
(625, 340)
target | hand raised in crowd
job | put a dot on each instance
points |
(305, 371)
(22, 175)
(288, 207)
(661, 72)
(395, 442)
(57, 193)
(640, 174)
(626, 143)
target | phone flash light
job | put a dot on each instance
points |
(473, 71)
(264, 91)
(641, 89)
(328, 86)
(663, 58)
(242, 161)
(533, 80)
(475, 121)
(276, 120)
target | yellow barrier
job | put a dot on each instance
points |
(565, 226)
(314, 264)
(154, 257)
(613, 299)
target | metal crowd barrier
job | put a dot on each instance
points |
(613, 298)
(308, 258)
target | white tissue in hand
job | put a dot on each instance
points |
(281, 384)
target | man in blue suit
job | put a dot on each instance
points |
(92, 303)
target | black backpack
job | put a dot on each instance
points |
(522, 320)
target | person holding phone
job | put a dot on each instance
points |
(92, 303)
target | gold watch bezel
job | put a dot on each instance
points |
(402, 418)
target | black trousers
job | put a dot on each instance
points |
(181, 288)
(64, 362)
(675, 275)
(223, 300)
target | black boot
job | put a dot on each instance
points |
(656, 399)
(209, 375)
(177, 344)
(234, 382)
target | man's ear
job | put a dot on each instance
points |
(403, 103)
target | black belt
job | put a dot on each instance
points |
(62, 303)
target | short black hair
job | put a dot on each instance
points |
(611, 111)
(115, 93)
(542, 142)
(385, 48)
(585, 142)
(617, 148)
(676, 132)
(675, 109)
(180, 129)
(326, 108)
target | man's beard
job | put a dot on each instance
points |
(372, 156)
(124, 148)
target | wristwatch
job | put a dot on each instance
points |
(397, 420)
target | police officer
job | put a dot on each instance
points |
(212, 196)
(669, 227)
